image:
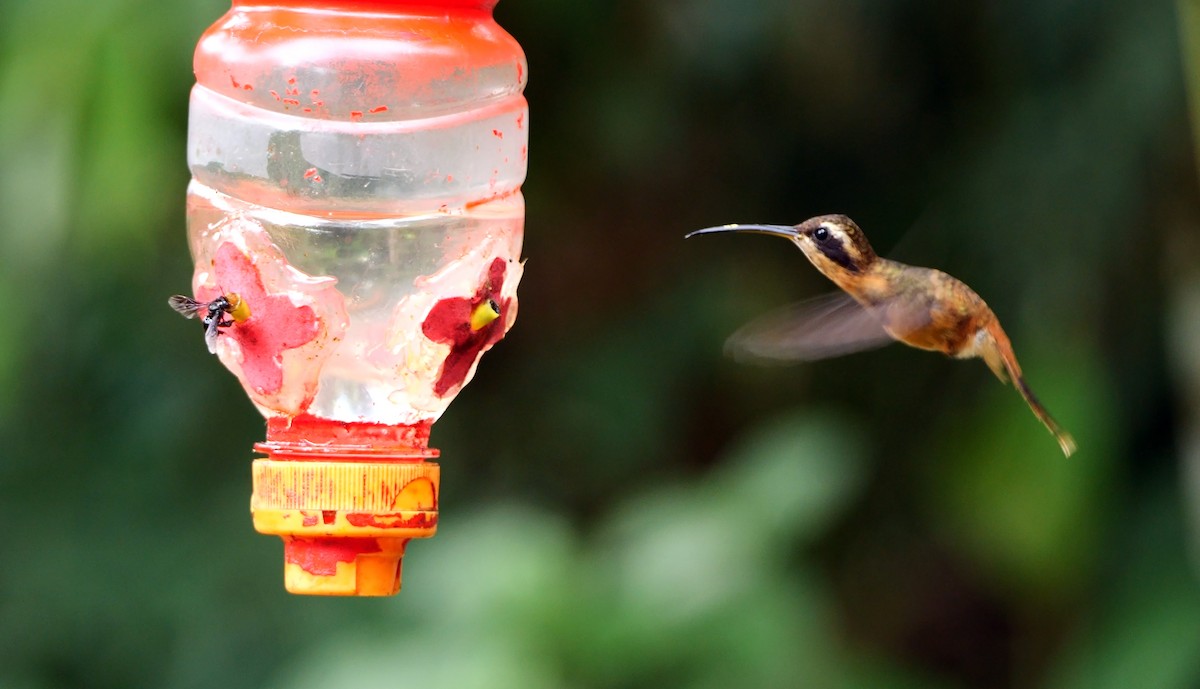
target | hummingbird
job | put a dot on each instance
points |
(881, 301)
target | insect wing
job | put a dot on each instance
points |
(211, 332)
(186, 306)
(820, 328)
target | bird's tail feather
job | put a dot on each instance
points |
(1000, 358)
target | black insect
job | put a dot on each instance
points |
(214, 311)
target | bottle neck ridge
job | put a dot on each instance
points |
(383, 6)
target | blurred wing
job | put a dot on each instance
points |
(819, 328)
(210, 334)
(187, 306)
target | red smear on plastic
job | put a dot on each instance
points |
(321, 556)
(275, 323)
(290, 101)
(356, 114)
(489, 199)
(378, 109)
(399, 520)
(449, 321)
(274, 94)
(318, 432)
(497, 133)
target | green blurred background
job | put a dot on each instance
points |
(624, 507)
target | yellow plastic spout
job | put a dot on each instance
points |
(346, 498)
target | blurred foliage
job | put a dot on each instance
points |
(641, 512)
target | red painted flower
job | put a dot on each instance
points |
(455, 321)
(275, 323)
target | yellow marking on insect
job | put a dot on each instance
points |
(239, 310)
(484, 314)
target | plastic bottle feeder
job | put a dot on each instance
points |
(356, 183)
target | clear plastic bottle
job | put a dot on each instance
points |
(356, 167)
(381, 144)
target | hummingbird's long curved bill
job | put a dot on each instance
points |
(786, 231)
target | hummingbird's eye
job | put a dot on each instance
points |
(821, 234)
